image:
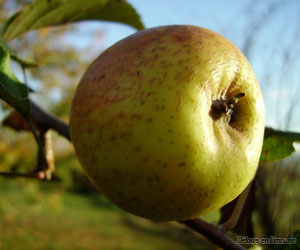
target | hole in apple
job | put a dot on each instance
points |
(217, 109)
(241, 115)
(233, 118)
(230, 108)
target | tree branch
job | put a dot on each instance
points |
(213, 233)
(46, 121)
(24, 175)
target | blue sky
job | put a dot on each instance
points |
(214, 14)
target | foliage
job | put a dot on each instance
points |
(44, 13)
(295, 237)
(278, 145)
(277, 198)
(11, 90)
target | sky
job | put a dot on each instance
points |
(168, 12)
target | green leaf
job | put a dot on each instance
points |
(9, 21)
(278, 145)
(5, 45)
(11, 90)
(44, 13)
(292, 244)
(23, 63)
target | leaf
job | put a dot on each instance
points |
(292, 244)
(9, 21)
(5, 45)
(11, 90)
(23, 63)
(15, 93)
(278, 145)
(44, 13)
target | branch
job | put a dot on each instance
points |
(212, 233)
(24, 175)
(47, 121)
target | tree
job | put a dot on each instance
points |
(39, 15)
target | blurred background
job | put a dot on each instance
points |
(68, 213)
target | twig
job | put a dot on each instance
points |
(37, 139)
(213, 233)
(49, 121)
(24, 175)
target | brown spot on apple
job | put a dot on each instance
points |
(136, 116)
(150, 93)
(156, 177)
(181, 164)
(101, 77)
(144, 160)
(112, 137)
(138, 148)
(179, 38)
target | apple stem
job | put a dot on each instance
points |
(231, 223)
(220, 107)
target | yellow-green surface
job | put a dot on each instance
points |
(142, 127)
(49, 218)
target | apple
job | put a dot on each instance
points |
(168, 123)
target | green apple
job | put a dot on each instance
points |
(168, 123)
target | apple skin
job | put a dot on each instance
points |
(142, 126)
